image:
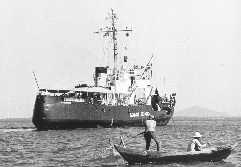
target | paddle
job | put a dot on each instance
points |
(114, 151)
(122, 140)
(174, 124)
(138, 135)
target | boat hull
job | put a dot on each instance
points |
(133, 156)
(52, 112)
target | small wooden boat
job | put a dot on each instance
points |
(133, 156)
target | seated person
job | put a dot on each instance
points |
(195, 144)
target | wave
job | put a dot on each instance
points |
(6, 130)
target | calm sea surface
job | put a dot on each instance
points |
(21, 145)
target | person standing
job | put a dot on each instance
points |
(150, 125)
(155, 101)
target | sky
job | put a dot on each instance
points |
(196, 48)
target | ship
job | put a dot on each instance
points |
(122, 94)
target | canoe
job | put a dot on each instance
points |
(133, 156)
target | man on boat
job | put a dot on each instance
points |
(195, 144)
(155, 100)
(150, 125)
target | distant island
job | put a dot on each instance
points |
(201, 112)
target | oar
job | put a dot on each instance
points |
(178, 132)
(114, 152)
(122, 141)
(138, 135)
(174, 124)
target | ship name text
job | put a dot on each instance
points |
(139, 114)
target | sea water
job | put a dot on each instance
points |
(21, 145)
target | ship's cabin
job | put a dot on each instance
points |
(105, 96)
(96, 95)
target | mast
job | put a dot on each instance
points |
(114, 39)
(111, 31)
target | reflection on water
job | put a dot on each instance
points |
(17, 130)
(22, 145)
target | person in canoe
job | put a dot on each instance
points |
(150, 126)
(195, 144)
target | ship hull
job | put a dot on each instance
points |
(52, 112)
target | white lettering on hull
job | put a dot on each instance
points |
(141, 114)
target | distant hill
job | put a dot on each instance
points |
(197, 111)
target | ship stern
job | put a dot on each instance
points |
(38, 112)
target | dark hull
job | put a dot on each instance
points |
(133, 156)
(52, 112)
